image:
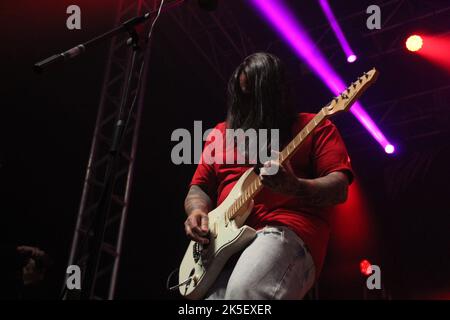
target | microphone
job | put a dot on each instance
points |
(66, 55)
(39, 67)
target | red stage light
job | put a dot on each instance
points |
(414, 43)
(436, 49)
(365, 267)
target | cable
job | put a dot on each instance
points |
(139, 78)
(141, 70)
(154, 21)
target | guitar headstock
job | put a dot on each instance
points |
(344, 101)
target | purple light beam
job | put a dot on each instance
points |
(351, 57)
(292, 31)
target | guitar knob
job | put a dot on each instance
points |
(195, 279)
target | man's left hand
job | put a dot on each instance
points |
(279, 177)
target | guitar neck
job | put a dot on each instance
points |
(341, 103)
(255, 184)
(295, 143)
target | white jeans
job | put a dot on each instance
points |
(276, 265)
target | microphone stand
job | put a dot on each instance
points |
(101, 213)
(98, 225)
(127, 26)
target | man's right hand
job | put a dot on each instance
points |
(196, 226)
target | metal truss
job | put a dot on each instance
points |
(401, 18)
(322, 33)
(118, 67)
(396, 15)
(418, 116)
(221, 44)
(217, 36)
(422, 121)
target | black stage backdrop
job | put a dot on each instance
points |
(47, 124)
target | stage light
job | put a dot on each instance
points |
(389, 149)
(436, 49)
(352, 228)
(351, 57)
(365, 267)
(295, 35)
(414, 43)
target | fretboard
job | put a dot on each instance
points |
(255, 184)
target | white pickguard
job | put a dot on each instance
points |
(225, 240)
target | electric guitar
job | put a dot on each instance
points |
(228, 233)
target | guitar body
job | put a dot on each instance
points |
(202, 264)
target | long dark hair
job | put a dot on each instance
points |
(265, 104)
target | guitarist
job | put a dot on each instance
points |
(290, 214)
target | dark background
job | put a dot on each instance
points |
(398, 218)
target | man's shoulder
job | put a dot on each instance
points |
(304, 117)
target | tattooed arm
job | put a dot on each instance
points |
(325, 191)
(197, 205)
(321, 192)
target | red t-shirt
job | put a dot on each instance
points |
(320, 154)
